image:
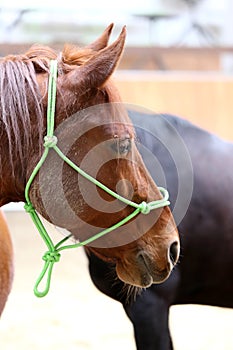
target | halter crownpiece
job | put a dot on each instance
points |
(50, 142)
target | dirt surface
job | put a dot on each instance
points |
(76, 316)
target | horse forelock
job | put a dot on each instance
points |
(70, 57)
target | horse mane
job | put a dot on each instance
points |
(20, 96)
(19, 100)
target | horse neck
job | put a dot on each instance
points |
(12, 177)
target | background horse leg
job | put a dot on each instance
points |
(6, 262)
(149, 315)
(104, 277)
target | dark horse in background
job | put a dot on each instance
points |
(204, 274)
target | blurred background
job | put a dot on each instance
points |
(178, 56)
(165, 23)
(178, 59)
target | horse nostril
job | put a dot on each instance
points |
(174, 252)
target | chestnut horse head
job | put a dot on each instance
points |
(95, 132)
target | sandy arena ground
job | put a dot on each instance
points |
(76, 316)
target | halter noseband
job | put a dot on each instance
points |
(50, 141)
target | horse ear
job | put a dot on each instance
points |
(102, 41)
(97, 69)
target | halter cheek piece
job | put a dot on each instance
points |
(50, 142)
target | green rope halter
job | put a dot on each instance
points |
(50, 141)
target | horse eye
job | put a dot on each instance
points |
(122, 146)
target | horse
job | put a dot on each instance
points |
(6, 262)
(202, 209)
(94, 131)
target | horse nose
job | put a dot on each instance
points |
(173, 252)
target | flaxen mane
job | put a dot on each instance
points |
(19, 100)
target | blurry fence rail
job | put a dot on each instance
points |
(155, 58)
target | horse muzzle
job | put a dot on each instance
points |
(145, 271)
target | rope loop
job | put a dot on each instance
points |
(51, 257)
(50, 141)
(144, 208)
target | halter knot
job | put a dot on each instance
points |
(51, 256)
(29, 207)
(144, 208)
(50, 141)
